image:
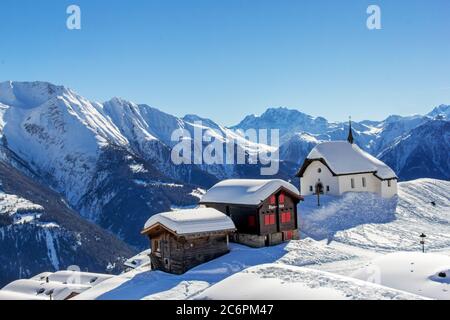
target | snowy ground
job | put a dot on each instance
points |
(340, 240)
(281, 282)
(423, 274)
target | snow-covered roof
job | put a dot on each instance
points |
(139, 260)
(192, 221)
(245, 191)
(78, 277)
(41, 290)
(343, 157)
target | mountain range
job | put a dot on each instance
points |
(106, 167)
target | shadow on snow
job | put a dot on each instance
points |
(345, 212)
(153, 282)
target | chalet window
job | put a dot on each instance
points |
(311, 188)
(352, 182)
(156, 246)
(389, 183)
(251, 221)
(272, 199)
(288, 235)
(285, 217)
(328, 188)
(269, 219)
(281, 198)
(364, 182)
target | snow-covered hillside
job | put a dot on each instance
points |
(111, 161)
(299, 264)
(39, 232)
(366, 221)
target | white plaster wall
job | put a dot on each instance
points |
(311, 177)
(340, 184)
(373, 184)
(389, 192)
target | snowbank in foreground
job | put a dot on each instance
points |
(282, 282)
(425, 274)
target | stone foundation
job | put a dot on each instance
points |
(257, 241)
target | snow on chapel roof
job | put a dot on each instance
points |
(192, 221)
(245, 191)
(346, 158)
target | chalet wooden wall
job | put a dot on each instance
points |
(178, 253)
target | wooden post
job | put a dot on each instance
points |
(422, 241)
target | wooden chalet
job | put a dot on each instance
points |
(263, 211)
(183, 239)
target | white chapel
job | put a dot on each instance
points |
(337, 167)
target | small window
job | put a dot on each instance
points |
(319, 170)
(281, 198)
(352, 182)
(272, 199)
(288, 235)
(166, 261)
(285, 217)
(156, 246)
(311, 188)
(269, 219)
(328, 188)
(251, 221)
(364, 182)
(389, 183)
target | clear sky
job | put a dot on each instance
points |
(225, 59)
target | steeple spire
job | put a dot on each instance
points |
(350, 133)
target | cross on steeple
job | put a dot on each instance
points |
(350, 133)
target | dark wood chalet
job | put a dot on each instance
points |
(183, 239)
(263, 211)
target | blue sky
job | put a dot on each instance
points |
(224, 59)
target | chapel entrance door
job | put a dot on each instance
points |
(319, 188)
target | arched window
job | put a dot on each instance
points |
(319, 170)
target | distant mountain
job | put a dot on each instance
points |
(105, 171)
(300, 133)
(422, 152)
(441, 112)
(288, 121)
(39, 232)
(112, 160)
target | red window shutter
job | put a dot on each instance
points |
(287, 218)
(272, 199)
(281, 198)
(266, 220)
(251, 221)
(272, 219)
(282, 217)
